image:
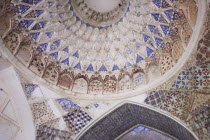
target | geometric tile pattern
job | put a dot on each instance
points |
(128, 115)
(77, 120)
(184, 79)
(201, 80)
(156, 98)
(67, 104)
(203, 51)
(177, 103)
(199, 120)
(42, 112)
(57, 124)
(47, 133)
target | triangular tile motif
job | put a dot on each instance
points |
(49, 34)
(35, 35)
(54, 55)
(27, 1)
(127, 64)
(24, 8)
(148, 39)
(103, 68)
(25, 23)
(76, 54)
(139, 58)
(167, 31)
(115, 67)
(66, 50)
(55, 45)
(154, 30)
(37, 26)
(65, 61)
(36, 1)
(90, 68)
(102, 60)
(39, 12)
(42, 47)
(171, 14)
(159, 17)
(78, 66)
(159, 42)
(149, 51)
(161, 3)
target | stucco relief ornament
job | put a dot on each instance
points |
(130, 35)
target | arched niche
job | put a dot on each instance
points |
(65, 80)
(80, 86)
(127, 115)
(139, 79)
(24, 55)
(51, 73)
(12, 41)
(110, 86)
(124, 83)
(153, 72)
(95, 87)
(38, 64)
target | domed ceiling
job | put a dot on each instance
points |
(97, 47)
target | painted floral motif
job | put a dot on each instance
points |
(65, 81)
(95, 87)
(201, 80)
(42, 113)
(110, 86)
(177, 103)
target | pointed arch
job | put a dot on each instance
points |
(128, 114)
